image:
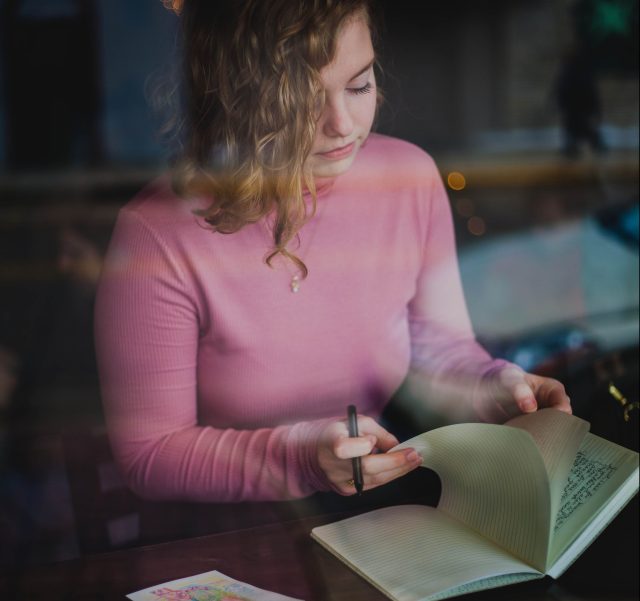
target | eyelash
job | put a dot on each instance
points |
(363, 90)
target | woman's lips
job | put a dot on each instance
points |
(338, 153)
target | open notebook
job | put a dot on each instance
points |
(519, 501)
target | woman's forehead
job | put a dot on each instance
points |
(354, 53)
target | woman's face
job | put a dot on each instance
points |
(350, 102)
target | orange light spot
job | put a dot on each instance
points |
(456, 181)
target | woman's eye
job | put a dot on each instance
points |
(363, 90)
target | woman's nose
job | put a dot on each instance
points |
(336, 119)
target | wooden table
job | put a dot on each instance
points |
(282, 558)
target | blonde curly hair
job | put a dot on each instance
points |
(253, 94)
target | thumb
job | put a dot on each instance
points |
(524, 397)
(522, 393)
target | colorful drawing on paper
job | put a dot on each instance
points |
(210, 586)
(198, 592)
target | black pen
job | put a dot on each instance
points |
(356, 462)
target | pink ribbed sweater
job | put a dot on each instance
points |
(217, 379)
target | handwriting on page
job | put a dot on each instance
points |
(586, 477)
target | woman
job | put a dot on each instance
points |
(301, 264)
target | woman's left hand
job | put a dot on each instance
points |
(512, 392)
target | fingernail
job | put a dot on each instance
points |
(528, 405)
(414, 457)
(522, 393)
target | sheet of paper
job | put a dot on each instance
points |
(494, 481)
(600, 469)
(209, 586)
(558, 437)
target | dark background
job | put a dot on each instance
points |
(547, 224)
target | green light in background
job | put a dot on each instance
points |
(611, 18)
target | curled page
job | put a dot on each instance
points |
(494, 481)
(558, 437)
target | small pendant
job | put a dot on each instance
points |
(295, 284)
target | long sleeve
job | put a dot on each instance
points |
(217, 381)
(448, 364)
(148, 326)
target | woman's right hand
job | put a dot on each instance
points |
(336, 449)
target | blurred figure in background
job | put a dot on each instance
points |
(79, 259)
(578, 100)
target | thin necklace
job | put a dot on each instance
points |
(294, 284)
(295, 280)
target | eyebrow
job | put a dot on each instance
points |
(363, 70)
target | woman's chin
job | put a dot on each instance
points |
(322, 169)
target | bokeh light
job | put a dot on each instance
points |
(465, 207)
(476, 226)
(456, 180)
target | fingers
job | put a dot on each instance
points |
(380, 469)
(505, 396)
(345, 447)
(549, 392)
(384, 440)
(372, 435)
(376, 464)
(381, 478)
(338, 448)
(517, 389)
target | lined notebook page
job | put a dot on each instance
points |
(600, 468)
(487, 583)
(493, 480)
(558, 437)
(414, 552)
